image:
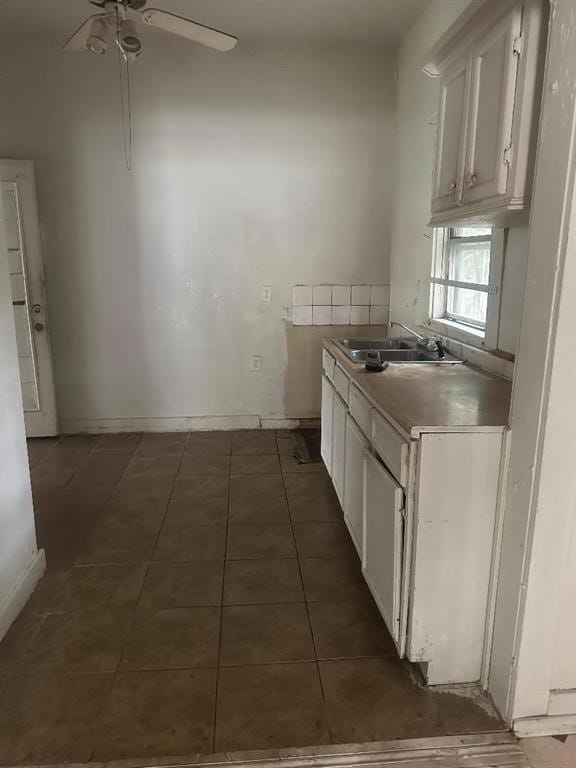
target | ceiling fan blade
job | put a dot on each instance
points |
(198, 33)
(79, 39)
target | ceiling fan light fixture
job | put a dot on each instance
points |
(97, 41)
(129, 41)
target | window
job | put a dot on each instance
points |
(464, 269)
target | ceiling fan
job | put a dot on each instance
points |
(119, 21)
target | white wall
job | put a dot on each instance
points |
(411, 254)
(258, 167)
(21, 565)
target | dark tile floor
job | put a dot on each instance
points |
(202, 595)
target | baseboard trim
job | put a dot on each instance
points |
(487, 750)
(279, 423)
(159, 424)
(174, 424)
(548, 725)
(12, 606)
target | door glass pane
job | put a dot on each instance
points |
(469, 262)
(467, 305)
(24, 339)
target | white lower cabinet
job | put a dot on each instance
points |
(356, 445)
(421, 509)
(383, 540)
(326, 424)
(339, 411)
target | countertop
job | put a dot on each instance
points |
(432, 398)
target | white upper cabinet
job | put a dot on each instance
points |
(449, 170)
(490, 68)
(493, 76)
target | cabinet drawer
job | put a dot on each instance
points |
(328, 363)
(360, 409)
(342, 383)
(391, 447)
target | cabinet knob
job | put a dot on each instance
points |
(471, 179)
(452, 186)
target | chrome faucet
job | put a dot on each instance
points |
(430, 343)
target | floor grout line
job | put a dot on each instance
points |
(219, 649)
(310, 627)
(115, 672)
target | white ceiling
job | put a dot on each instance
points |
(381, 22)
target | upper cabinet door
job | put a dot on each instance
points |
(452, 117)
(491, 112)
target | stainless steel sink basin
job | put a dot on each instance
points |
(391, 351)
(371, 344)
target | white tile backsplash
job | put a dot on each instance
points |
(379, 295)
(302, 296)
(359, 315)
(341, 295)
(321, 315)
(322, 296)
(341, 315)
(360, 295)
(378, 315)
(340, 304)
(302, 316)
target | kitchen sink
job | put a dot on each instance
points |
(355, 345)
(391, 351)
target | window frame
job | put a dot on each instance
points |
(463, 329)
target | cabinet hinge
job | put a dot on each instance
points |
(517, 47)
(507, 159)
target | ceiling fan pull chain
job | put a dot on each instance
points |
(128, 149)
(125, 103)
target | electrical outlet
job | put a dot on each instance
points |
(255, 363)
(266, 294)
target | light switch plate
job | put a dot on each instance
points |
(266, 294)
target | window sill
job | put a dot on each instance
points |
(470, 345)
(459, 332)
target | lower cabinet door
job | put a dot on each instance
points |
(356, 445)
(383, 540)
(326, 423)
(339, 413)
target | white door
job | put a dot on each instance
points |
(20, 212)
(326, 423)
(356, 445)
(383, 541)
(451, 138)
(493, 85)
(339, 445)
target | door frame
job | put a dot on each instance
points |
(44, 422)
